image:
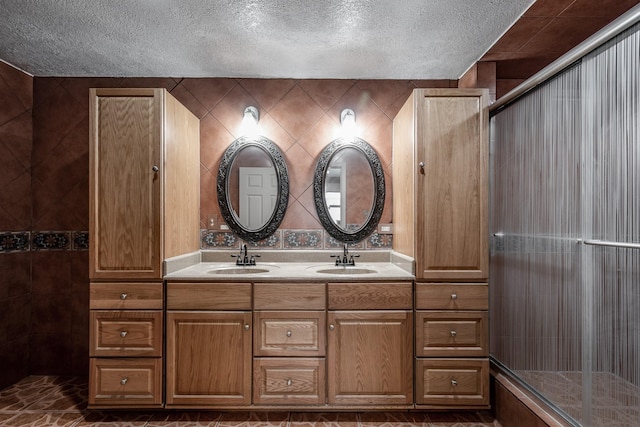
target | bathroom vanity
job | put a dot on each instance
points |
(176, 327)
(289, 335)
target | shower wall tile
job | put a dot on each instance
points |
(16, 136)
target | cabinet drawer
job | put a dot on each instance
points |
(208, 296)
(125, 382)
(289, 333)
(289, 296)
(126, 333)
(452, 382)
(366, 296)
(452, 296)
(447, 333)
(125, 296)
(288, 381)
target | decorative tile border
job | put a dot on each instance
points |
(14, 241)
(292, 239)
(302, 239)
(25, 241)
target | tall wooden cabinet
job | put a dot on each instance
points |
(144, 190)
(440, 189)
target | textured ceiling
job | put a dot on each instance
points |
(374, 39)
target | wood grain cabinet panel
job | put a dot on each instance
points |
(452, 296)
(452, 382)
(288, 381)
(208, 358)
(126, 296)
(448, 333)
(289, 333)
(369, 359)
(289, 296)
(125, 382)
(440, 172)
(144, 179)
(370, 296)
(208, 296)
(126, 333)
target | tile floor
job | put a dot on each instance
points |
(61, 401)
(615, 401)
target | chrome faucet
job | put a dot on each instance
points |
(243, 258)
(346, 259)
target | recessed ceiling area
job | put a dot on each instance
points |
(365, 39)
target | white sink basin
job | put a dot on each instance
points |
(346, 270)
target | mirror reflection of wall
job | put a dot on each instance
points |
(335, 193)
(349, 188)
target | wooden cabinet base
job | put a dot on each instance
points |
(125, 383)
(452, 383)
(288, 381)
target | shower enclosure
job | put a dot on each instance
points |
(565, 224)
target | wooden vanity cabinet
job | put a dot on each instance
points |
(208, 360)
(289, 343)
(370, 344)
(440, 183)
(144, 191)
(440, 187)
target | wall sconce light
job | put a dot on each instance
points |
(348, 121)
(250, 119)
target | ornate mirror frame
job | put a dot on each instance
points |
(319, 184)
(224, 170)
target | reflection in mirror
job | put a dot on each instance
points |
(253, 187)
(349, 189)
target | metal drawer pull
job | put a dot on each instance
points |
(289, 382)
(454, 296)
(123, 296)
(246, 327)
(124, 381)
(123, 334)
(288, 333)
(454, 383)
(453, 333)
(331, 327)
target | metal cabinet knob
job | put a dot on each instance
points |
(454, 296)
(453, 333)
(123, 334)
(421, 164)
(155, 168)
(454, 383)
(123, 296)
(331, 327)
(246, 327)
(124, 381)
(289, 333)
(289, 382)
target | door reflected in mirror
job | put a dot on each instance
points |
(253, 187)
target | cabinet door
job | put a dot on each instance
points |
(452, 187)
(125, 183)
(208, 358)
(370, 358)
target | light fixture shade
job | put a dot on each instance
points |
(250, 119)
(348, 121)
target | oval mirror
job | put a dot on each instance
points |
(348, 189)
(253, 187)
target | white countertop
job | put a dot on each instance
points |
(210, 266)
